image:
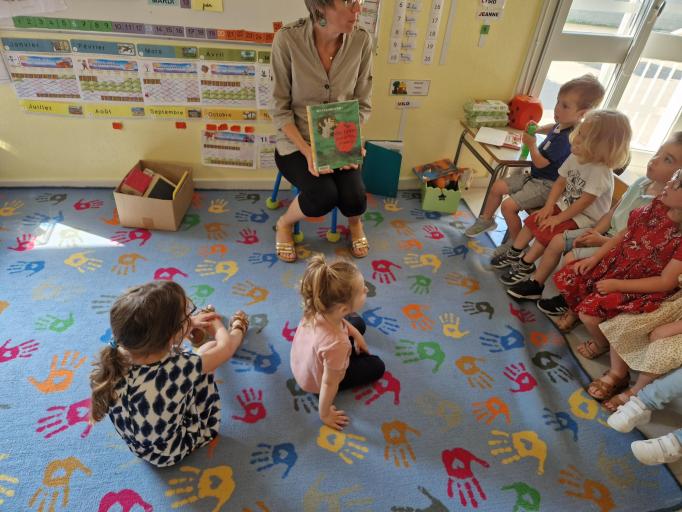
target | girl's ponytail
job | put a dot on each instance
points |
(109, 370)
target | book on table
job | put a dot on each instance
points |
(335, 134)
(501, 138)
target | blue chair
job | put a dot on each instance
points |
(273, 203)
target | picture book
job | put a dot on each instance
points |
(160, 188)
(137, 181)
(496, 137)
(438, 169)
(335, 134)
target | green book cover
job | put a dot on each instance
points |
(335, 134)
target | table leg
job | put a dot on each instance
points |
(459, 148)
(493, 176)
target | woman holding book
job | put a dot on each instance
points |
(320, 59)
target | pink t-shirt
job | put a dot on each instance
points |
(318, 345)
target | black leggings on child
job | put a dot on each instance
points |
(363, 368)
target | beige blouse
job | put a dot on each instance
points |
(300, 79)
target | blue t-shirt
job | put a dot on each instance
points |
(556, 148)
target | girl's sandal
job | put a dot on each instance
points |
(566, 322)
(612, 404)
(360, 247)
(240, 322)
(601, 390)
(198, 336)
(285, 251)
(590, 350)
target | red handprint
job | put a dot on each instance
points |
(65, 417)
(249, 236)
(382, 269)
(457, 464)
(433, 233)
(24, 350)
(25, 242)
(523, 315)
(517, 373)
(168, 273)
(125, 237)
(252, 403)
(125, 501)
(82, 204)
(288, 332)
(386, 384)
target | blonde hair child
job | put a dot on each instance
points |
(329, 352)
(161, 399)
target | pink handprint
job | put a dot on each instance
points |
(82, 204)
(65, 417)
(249, 236)
(126, 237)
(125, 501)
(25, 242)
(517, 373)
(523, 315)
(386, 384)
(252, 403)
(458, 462)
(24, 350)
(288, 332)
(382, 270)
(168, 273)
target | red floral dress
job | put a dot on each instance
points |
(651, 241)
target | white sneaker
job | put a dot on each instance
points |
(631, 414)
(661, 450)
(480, 226)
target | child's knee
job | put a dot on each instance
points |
(500, 187)
(378, 367)
(557, 244)
(510, 207)
(569, 257)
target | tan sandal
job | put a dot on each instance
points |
(240, 322)
(566, 322)
(358, 246)
(607, 390)
(285, 251)
(590, 350)
(613, 403)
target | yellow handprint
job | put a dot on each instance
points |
(303, 251)
(81, 262)
(218, 206)
(127, 263)
(585, 407)
(431, 404)
(175, 249)
(397, 445)
(214, 230)
(215, 482)
(391, 205)
(457, 279)
(450, 323)
(490, 409)
(6, 479)
(249, 289)
(478, 248)
(53, 484)
(211, 268)
(413, 260)
(60, 378)
(3, 306)
(526, 444)
(475, 376)
(591, 490)
(345, 445)
(10, 208)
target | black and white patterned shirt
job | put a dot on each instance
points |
(167, 409)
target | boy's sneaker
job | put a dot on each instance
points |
(517, 272)
(480, 226)
(505, 260)
(661, 450)
(631, 414)
(556, 306)
(528, 289)
(502, 248)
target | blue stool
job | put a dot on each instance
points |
(273, 203)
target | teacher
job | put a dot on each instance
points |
(320, 59)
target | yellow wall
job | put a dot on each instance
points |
(38, 149)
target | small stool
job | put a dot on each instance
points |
(273, 203)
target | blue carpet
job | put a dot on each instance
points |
(482, 406)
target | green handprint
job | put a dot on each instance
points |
(421, 285)
(527, 498)
(412, 352)
(54, 323)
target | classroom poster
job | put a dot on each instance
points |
(265, 81)
(43, 77)
(170, 83)
(266, 151)
(228, 149)
(109, 80)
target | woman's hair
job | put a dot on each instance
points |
(326, 285)
(605, 137)
(143, 321)
(315, 7)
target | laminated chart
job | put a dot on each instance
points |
(109, 80)
(265, 80)
(228, 149)
(232, 85)
(170, 78)
(49, 76)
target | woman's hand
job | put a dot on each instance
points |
(354, 166)
(308, 154)
(585, 265)
(334, 418)
(607, 286)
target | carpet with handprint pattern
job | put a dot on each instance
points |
(482, 406)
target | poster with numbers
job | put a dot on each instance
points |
(45, 77)
(228, 84)
(228, 149)
(170, 83)
(109, 80)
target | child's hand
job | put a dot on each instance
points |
(528, 139)
(543, 213)
(203, 320)
(550, 223)
(585, 265)
(607, 286)
(215, 324)
(361, 345)
(334, 418)
(591, 238)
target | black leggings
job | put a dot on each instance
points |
(319, 195)
(363, 368)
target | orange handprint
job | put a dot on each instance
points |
(590, 490)
(490, 409)
(65, 468)
(215, 482)
(418, 320)
(397, 445)
(475, 376)
(60, 377)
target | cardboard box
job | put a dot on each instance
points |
(435, 199)
(145, 212)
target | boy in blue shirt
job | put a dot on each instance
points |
(530, 191)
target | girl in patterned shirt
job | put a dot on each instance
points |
(162, 399)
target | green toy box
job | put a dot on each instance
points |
(436, 199)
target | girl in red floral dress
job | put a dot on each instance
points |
(632, 273)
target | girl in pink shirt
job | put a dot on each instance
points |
(329, 352)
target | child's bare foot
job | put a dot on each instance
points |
(284, 242)
(359, 245)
